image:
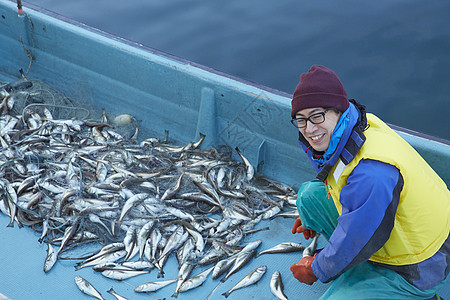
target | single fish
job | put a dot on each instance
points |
(195, 281)
(185, 251)
(152, 245)
(198, 238)
(287, 214)
(153, 285)
(51, 258)
(130, 203)
(69, 234)
(222, 266)
(252, 245)
(110, 266)
(248, 166)
(251, 278)
(208, 189)
(130, 241)
(241, 260)
(172, 191)
(309, 251)
(283, 248)
(118, 297)
(143, 236)
(123, 274)
(110, 248)
(138, 265)
(105, 258)
(183, 274)
(87, 288)
(276, 286)
(175, 240)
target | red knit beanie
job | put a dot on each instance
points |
(319, 87)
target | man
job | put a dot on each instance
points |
(383, 210)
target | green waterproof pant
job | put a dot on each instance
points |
(365, 281)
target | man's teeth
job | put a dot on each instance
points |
(315, 138)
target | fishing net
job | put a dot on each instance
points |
(33, 95)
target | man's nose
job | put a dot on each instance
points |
(310, 127)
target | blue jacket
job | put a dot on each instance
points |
(369, 202)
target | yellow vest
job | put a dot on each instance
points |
(422, 221)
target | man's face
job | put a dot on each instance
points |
(318, 135)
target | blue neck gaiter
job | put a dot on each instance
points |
(335, 137)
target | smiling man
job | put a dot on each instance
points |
(383, 210)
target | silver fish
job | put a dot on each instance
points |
(283, 248)
(222, 266)
(309, 251)
(123, 274)
(130, 203)
(51, 258)
(185, 251)
(249, 168)
(195, 281)
(138, 265)
(170, 192)
(198, 238)
(252, 245)
(105, 258)
(110, 248)
(110, 266)
(68, 234)
(251, 278)
(183, 274)
(287, 214)
(118, 297)
(87, 288)
(241, 260)
(152, 244)
(154, 285)
(175, 240)
(130, 241)
(143, 236)
(276, 286)
(208, 189)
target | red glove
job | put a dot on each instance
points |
(298, 228)
(303, 271)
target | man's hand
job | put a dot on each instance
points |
(303, 271)
(298, 228)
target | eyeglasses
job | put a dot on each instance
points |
(314, 119)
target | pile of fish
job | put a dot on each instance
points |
(81, 181)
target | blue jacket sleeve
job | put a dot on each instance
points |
(369, 203)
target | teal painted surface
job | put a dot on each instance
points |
(164, 93)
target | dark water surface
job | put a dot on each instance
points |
(393, 56)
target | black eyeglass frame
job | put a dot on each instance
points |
(295, 123)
